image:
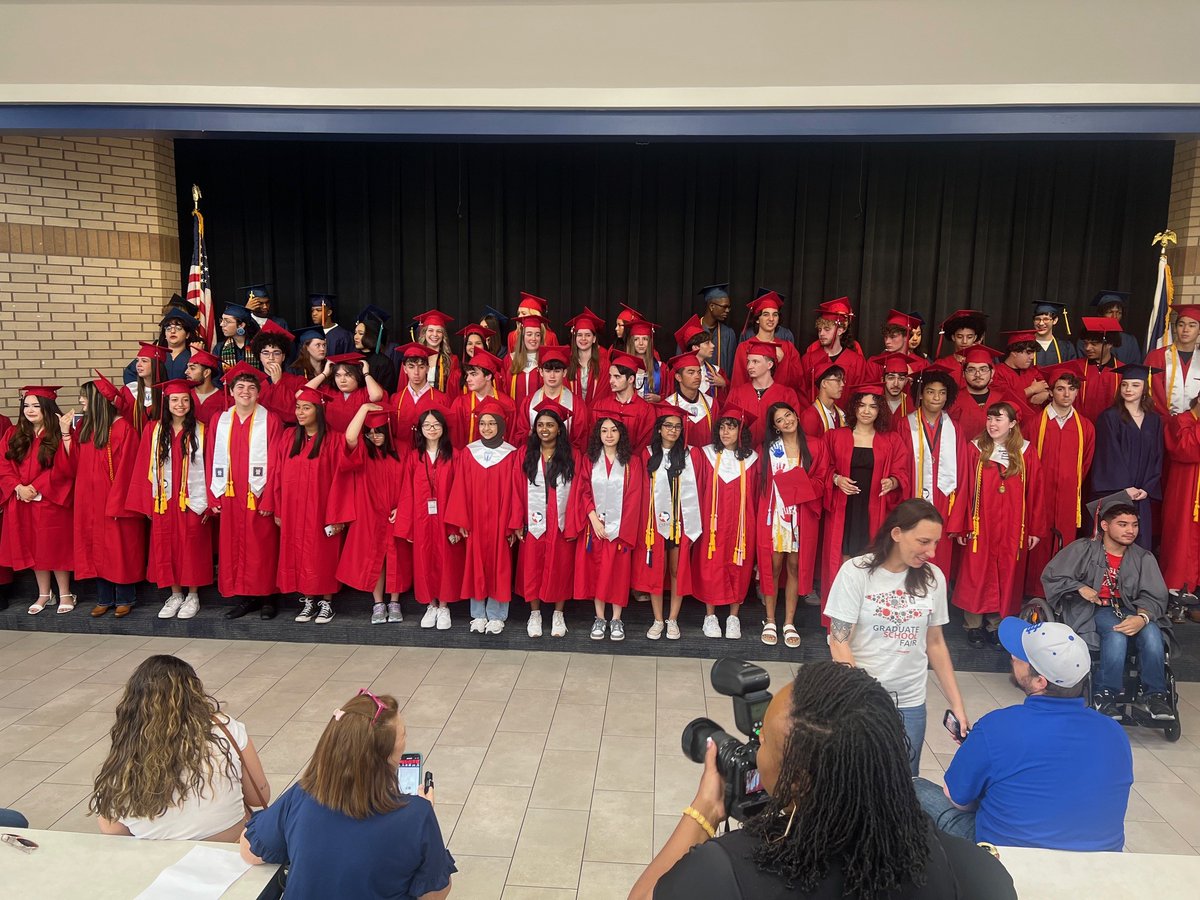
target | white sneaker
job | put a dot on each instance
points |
(733, 628)
(430, 618)
(190, 607)
(478, 626)
(443, 618)
(712, 628)
(616, 630)
(558, 628)
(494, 626)
(378, 614)
(672, 630)
(655, 631)
(599, 626)
(324, 612)
(171, 606)
(534, 628)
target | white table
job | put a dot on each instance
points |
(1056, 874)
(70, 864)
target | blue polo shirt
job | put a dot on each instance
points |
(1049, 773)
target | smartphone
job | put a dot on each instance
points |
(409, 774)
(951, 724)
(76, 419)
(428, 782)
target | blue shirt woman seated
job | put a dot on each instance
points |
(345, 828)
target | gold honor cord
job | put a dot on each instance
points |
(1078, 457)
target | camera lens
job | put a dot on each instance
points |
(695, 738)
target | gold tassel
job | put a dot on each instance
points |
(712, 516)
(251, 500)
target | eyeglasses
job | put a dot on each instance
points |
(667, 426)
(380, 706)
(25, 845)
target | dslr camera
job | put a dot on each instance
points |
(737, 762)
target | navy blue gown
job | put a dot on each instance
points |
(1128, 456)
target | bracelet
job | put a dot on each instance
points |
(691, 813)
(1145, 617)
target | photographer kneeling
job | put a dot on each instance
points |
(842, 818)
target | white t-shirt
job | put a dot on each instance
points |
(890, 625)
(216, 809)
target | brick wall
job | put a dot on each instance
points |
(89, 256)
(1184, 219)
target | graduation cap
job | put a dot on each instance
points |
(767, 349)
(1100, 326)
(433, 317)
(261, 289)
(1070, 367)
(1020, 336)
(838, 310)
(371, 312)
(765, 300)
(550, 405)
(413, 351)
(354, 356)
(242, 370)
(486, 361)
(869, 387)
(640, 328)
(979, 354)
(493, 313)
(626, 360)
(794, 486)
(662, 410)
(895, 363)
(917, 317)
(107, 389)
(557, 354)
(629, 314)
(1137, 372)
(962, 318)
(152, 351)
(376, 418)
(271, 328)
(688, 330)
(711, 292)
(1186, 311)
(311, 395)
(1107, 298)
(532, 320)
(587, 321)
(187, 306)
(1052, 308)
(206, 359)
(683, 360)
(489, 406)
(826, 370)
(742, 416)
(1098, 509)
(235, 311)
(45, 391)
(482, 330)
(309, 334)
(762, 292)
(533, 301)
(173, 387)
(937, 375)
(328, 301)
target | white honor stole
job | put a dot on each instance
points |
(608, 494)
(689, 500)
(222, 477)
(490, 456)
(1183, 386)
(947, 454)
(731, 467)
(695, 411)
(1000, 453)
(535, 496)
(196, 496)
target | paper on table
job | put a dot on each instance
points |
(205, 873)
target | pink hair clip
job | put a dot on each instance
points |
(337, 714)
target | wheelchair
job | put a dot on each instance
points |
(1037, 610)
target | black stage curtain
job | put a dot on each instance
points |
(925, 226)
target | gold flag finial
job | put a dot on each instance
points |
(196, 196)
(1163, 239)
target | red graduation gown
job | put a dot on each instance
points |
(550, 339)
(746, 397)
(1012, 383)
(462, 420)
(814, 421)
(603, 568)
(110, 541)
(405, 411)
(808, 522)
(248, 544)
(698, 417)
(970, 416)
(280, 397)
(520, 385)
(719, 579)
(579, 426)
(1059, 456)
(481, 501)
(991, 572)
(37, 535)
(437, 565)
(858, 371)
(650, 576)
(597, 384)
(639, 418)
(786, 372)
(891, 460)
(210, 407)
(308, 557)
(545, 565)
(1182, 382)
(1180, 556)
(340, 408)
(6, 574)
(1097, 391)
(181, 543)
(365, 492)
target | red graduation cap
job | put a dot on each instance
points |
(794, 486)
(627, 360)
(837, 310)
(689, 330)
(533, 301)
(1020, 336)
(1074, 367)
(683, 360)
(107, 389)
(1099, 325)
(1186, 311)
(896, 363)
(482, 330)
(434, 317)
(875, 390)
(531, 320)
(549, 404)
(629, 314)
(241, 369)
(902, 319)
(640, 327)
(482, 359)
(769, 300)
(979, 354)
(821, 371)
(742, 416)
(311, 395)
(488, 406)
(206, 359)
(376, 418)
(557, 353)
(272, 327)
(174, 386)
(586, 321)
(352, 357)
(45, 391)
(666, 409)
(152, 351)
(413, 351)
(762, 348)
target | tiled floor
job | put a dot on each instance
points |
(558, 775)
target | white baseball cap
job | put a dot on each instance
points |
(1056, 652)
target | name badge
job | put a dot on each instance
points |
(431, 506)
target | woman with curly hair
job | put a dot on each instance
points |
(179, 769)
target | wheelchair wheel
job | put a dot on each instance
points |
(1174, 730)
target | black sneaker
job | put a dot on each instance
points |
(975, 638)
(1156, 707)
(993, 639)
(1105, 703)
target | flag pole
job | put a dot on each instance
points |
(1154, 337)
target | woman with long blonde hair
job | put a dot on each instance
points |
(445, 373)
(179, 768)
(1006, 517)
(524, 375)
(346, 827)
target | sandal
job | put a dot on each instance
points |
(770, 635)
(63, 605)
(42, 602)
(791, 636)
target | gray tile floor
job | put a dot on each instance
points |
(559, 775)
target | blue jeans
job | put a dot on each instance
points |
(109, 594)
(10, 818)
(914, 727)
(1110, 675)
(946, 816)
(489, 609)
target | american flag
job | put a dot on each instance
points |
(1158, 333)
(199, 287)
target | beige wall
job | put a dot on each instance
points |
(603, 53)
(89, 256)
(1184, 219)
